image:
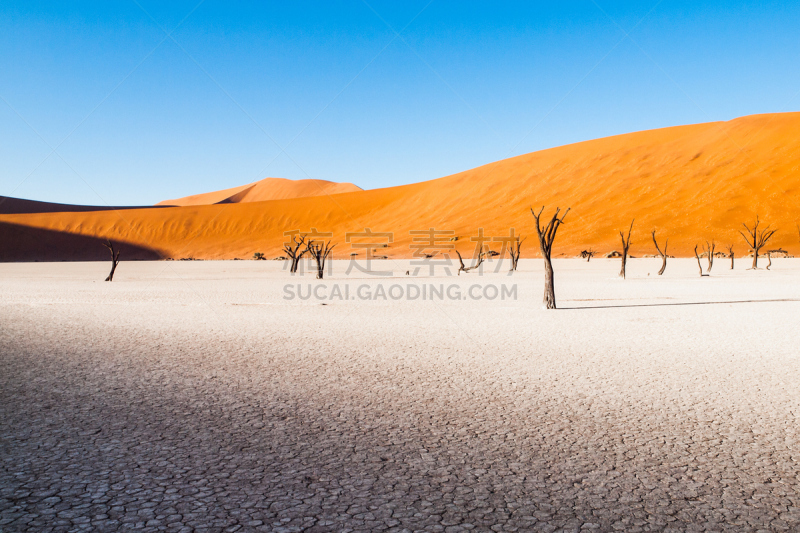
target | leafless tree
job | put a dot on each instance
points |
(625, 245)
(730, 254)
(514, 251)
(465, 269)
(547, 235)
(662, 254)
(757, 239)
(708, 249)
(295, 250)
(320, 252)
(588, 254)
(114, 259)
(698, 262)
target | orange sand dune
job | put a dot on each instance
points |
(691, 183)
(264, 190)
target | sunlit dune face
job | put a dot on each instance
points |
(690, 183)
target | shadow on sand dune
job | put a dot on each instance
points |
(16, 206)
(25, 243)
(677, 303)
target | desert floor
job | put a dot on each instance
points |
(191, 396)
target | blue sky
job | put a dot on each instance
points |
(133, 102)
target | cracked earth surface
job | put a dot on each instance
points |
(191, 397)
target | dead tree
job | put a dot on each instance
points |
(730, 254)
(513, 250)
(709, 251)
(662, 254)
(320, 252)
(769, 258)
(625, 245)
(114, 259)
(698, 262)
(588, 254)
(547, 235)
(757, 239)
(465, 269)
(295, 250)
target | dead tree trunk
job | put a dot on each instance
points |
(294, 251)
(514, 251)
(625, 245)
(662, 254)
(547, 235)
(730, 254)
(769, 258)
(709, 250)
(698, 262)
(757, 239)
(587, 254)
(465, 269)
(320, 253)
(114, 259)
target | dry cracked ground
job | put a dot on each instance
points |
(192, 397)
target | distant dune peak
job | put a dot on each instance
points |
(265, 190)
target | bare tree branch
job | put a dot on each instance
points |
(625, 245)
(320, 252)
(465, 269)
(757, 239)
(708, 249)
(662, 254)
(295, 250)
(114, 259)
(546, 237)
(514, 251)
(698, 262)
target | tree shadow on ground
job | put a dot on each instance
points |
(677, 303)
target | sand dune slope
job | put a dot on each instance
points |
(691, 183)
(13, 206)
(265, 190)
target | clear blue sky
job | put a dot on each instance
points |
(144, 102)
